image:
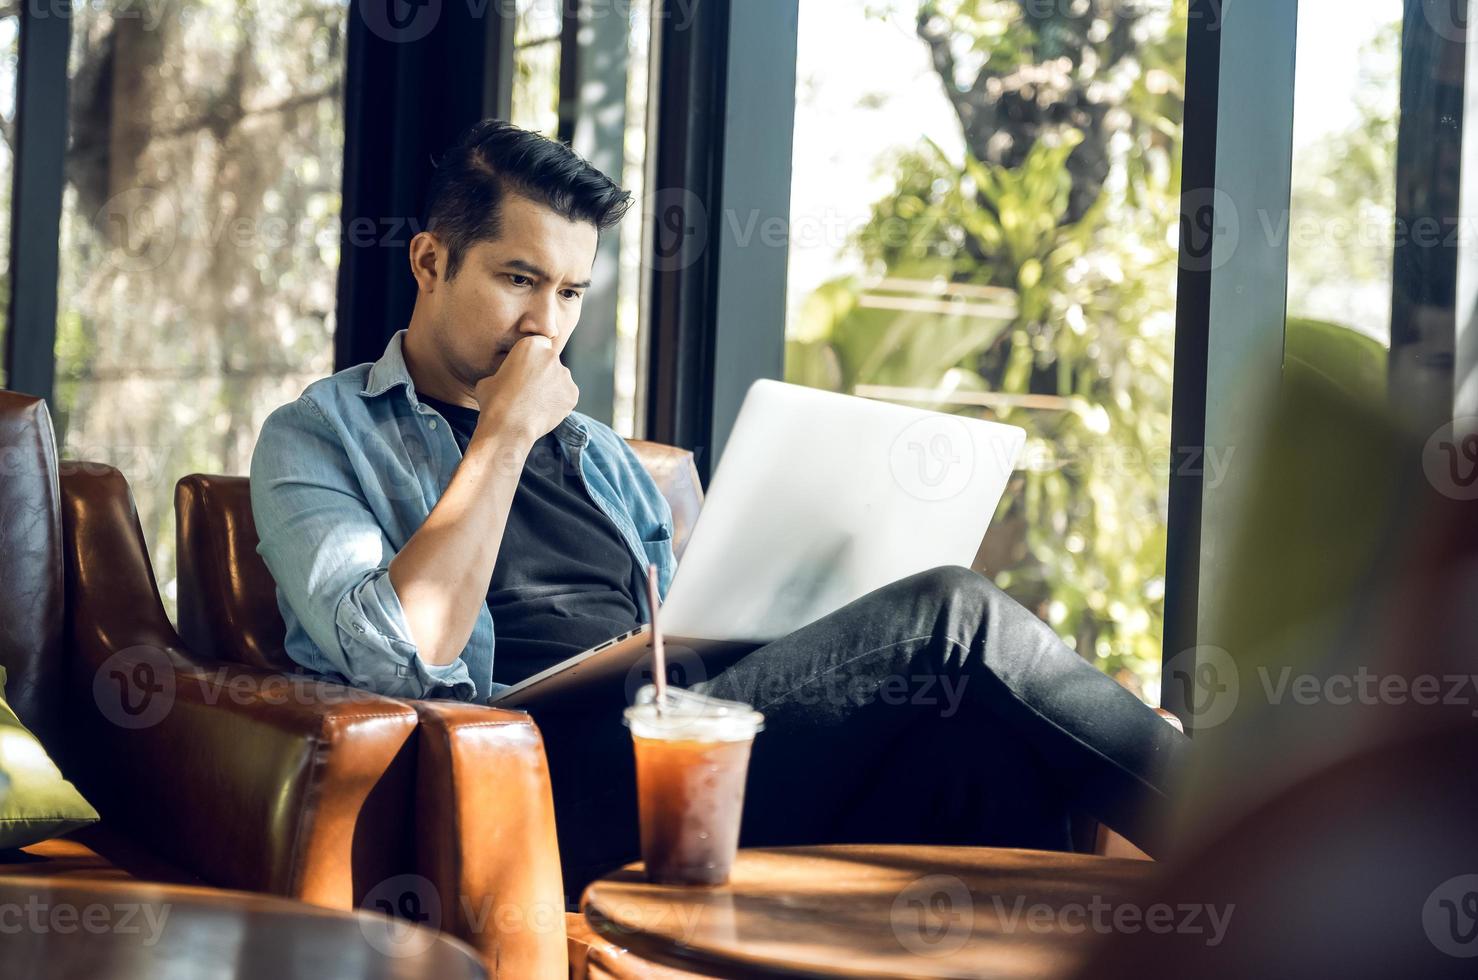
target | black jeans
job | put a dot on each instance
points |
(935, 710)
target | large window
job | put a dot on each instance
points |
(537, 36)
(199, 239)
(1342, 222)
(571, 84)
(985, 208)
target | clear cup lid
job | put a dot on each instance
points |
(688, 715)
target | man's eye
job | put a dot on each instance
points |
(520, 280)
(571, 294)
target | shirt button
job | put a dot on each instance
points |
(433, 423)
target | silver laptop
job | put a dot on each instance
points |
(819, 499)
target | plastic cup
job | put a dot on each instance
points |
(691, 763)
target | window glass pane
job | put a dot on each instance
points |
(536, 66)
(985, 210)
(1342, 219)
(9, 52)
(199, 239)
(536, 106)
(633, 178)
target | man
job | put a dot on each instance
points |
(442, 522)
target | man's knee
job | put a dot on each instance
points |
(950, 583)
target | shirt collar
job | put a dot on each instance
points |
(390, 372)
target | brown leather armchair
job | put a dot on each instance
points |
(483, 812)
(202, 772)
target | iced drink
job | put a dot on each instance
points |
(691, 761)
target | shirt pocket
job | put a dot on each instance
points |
(658, 547)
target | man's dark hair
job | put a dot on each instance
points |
(495, 158)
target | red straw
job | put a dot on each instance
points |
(659, 661)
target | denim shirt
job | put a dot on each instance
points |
(340, 480)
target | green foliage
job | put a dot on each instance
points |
(1088, 334)
(1337, 356)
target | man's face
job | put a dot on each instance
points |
(530, 282)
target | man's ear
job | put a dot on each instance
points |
(428, 261)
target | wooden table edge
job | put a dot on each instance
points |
(724, 966)
(730, 965)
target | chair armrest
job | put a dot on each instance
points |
(246, 778)
(485, 836)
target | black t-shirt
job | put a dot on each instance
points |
(564, 577)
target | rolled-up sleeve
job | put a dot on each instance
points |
(330, 557)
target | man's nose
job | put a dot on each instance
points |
(539, 321)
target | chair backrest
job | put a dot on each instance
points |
(227, 599)
(675, 475)
(32, 597)
(226, 604)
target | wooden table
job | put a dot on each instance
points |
(128, 930)
(874, 911)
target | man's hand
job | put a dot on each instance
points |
(529, 394)
(441, 574)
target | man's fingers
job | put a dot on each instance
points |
(539, 341)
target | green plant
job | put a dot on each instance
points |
(1064, 202)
